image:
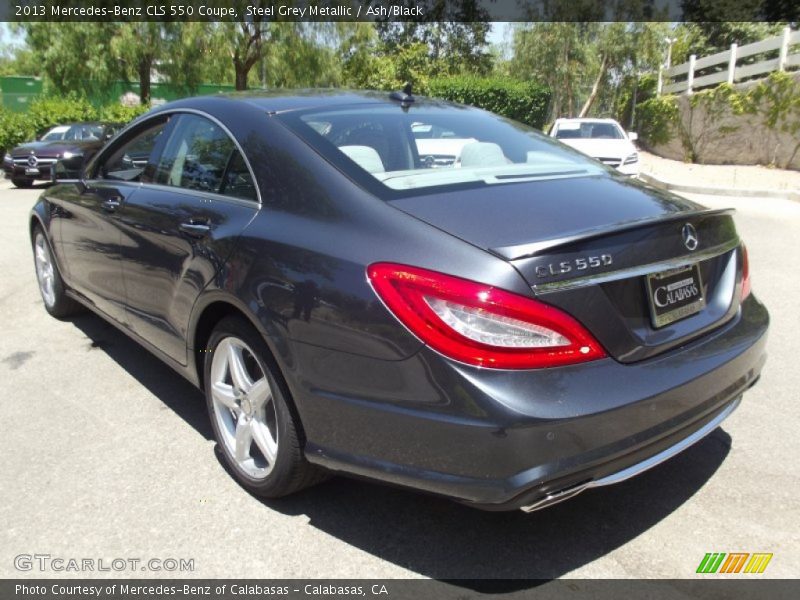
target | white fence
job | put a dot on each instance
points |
(733, 72)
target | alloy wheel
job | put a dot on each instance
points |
(44, 270)
(244, 408)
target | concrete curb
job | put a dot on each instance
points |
(718, 191)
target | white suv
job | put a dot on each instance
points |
(603, 139)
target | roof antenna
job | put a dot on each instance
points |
(405, 97)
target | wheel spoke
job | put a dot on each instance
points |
(264, 440)
(237, 369)
(223, 394)
(45, 271)
(260, 393)
(244, 438)
(240, 395)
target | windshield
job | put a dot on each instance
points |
(594, 130)
(74, 132)
(433, 146)
(56, 133)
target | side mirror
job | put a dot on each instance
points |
(68, 170)
(633, 136)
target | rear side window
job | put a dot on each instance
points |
(238, 183)
(195, 156)
(200, 155)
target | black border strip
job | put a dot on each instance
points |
(398, 10)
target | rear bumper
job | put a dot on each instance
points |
(502, 440)
(539, 501)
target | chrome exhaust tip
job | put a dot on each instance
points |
(555, 497)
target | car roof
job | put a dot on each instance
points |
(73, 123)
(586, 120)
(276, 101)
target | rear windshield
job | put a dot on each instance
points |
(433, 147)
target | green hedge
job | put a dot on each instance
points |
(16, 128)
(523, 101)
(657, 119)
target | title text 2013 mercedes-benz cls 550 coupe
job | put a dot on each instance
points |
(506, 328)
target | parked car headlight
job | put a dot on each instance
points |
(67, 155)
(632, 158)
(7, 158)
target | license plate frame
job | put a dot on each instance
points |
(674, 295)
(32, 171)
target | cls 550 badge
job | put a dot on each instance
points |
(583, 263)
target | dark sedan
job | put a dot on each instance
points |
(72, 144)
(507, 329)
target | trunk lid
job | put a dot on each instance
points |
(588, 245)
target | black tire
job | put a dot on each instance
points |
(58, 304)
(289, 472)
(22, 182)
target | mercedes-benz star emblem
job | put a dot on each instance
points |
(690, 236)
(32, 160)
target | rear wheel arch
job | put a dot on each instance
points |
(35, 221)
(208, 318)
(38, 220)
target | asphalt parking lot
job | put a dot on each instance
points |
(106, 453)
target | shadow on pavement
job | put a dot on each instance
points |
(441, 539)
(174, 391)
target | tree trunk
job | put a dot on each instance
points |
(555, 106)
(144, 80)
(241, 75)
(570, 100)
(596, 87)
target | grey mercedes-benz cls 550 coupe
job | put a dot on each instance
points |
(408, 290)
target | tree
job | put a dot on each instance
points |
(627, 50)
(454, 31)
(189, 56)
(247, 44)
(302, 55)
(557, 54)
(138, 47)
(73, 56)
(357, 46)
(613, 46)
(588, 65)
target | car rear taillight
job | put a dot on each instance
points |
(479, 324)
(745, 273)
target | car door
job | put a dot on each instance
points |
(179, 229)
(89, 225)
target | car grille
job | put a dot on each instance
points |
(611, 162)
(40, 162)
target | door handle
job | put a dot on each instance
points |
(196, 229)
(112, 204)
